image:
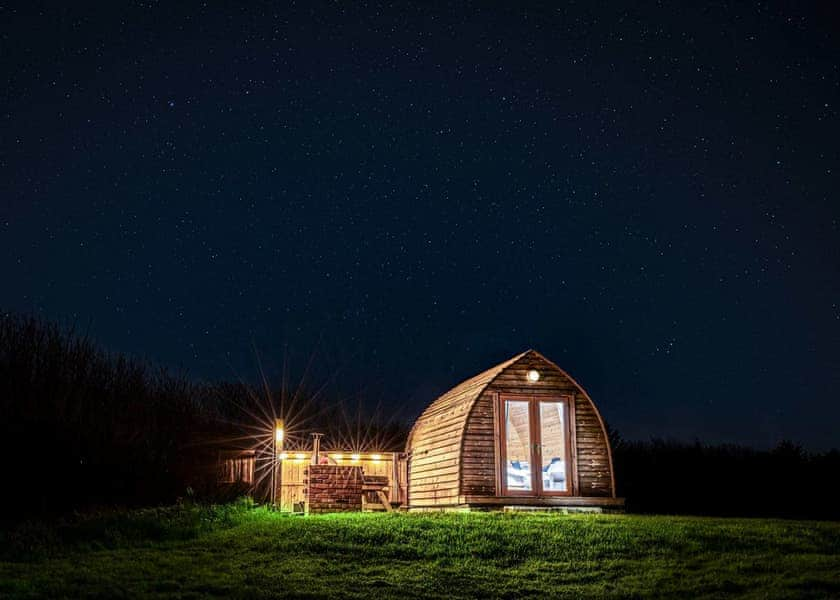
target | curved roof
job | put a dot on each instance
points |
(458, 401)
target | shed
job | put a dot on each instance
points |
(522, 434)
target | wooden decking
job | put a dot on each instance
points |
(571, 503)
(568, 501)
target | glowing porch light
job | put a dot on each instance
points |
(283, 456)
(533, 375)
(377, 457)
(300, 456)
(354, 457)
(338, 456)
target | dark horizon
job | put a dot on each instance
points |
(645, 195)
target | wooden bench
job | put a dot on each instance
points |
(375, 494)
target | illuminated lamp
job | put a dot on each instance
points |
(533, 376)
(279, 432)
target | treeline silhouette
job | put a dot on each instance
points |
(671, 477)
(84, 428)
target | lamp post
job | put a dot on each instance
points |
(277, 472)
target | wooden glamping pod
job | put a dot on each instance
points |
(522, 434)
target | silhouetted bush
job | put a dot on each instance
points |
(727, 480)
(82, 427)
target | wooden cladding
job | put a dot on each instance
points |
(594, 465)
(454, 448)
(478, 467)
(436, 440)
(237, 468)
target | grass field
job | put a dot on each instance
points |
(241, 551)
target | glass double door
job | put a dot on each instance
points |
(535, 446)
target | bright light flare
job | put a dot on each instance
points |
(533, 376)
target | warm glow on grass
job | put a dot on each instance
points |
(649, 556)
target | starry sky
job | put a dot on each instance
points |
(410, 193)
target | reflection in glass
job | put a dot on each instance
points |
(518, 445)
(553, 446)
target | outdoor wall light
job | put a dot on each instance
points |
(300, 456)
(282, 456)
(279, 431)
(377, 457)
(354, 457)
(533, 375)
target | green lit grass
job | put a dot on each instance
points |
(237, 551)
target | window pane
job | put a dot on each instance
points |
(518, 445)
(553, 451)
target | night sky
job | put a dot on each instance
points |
(646, 195)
